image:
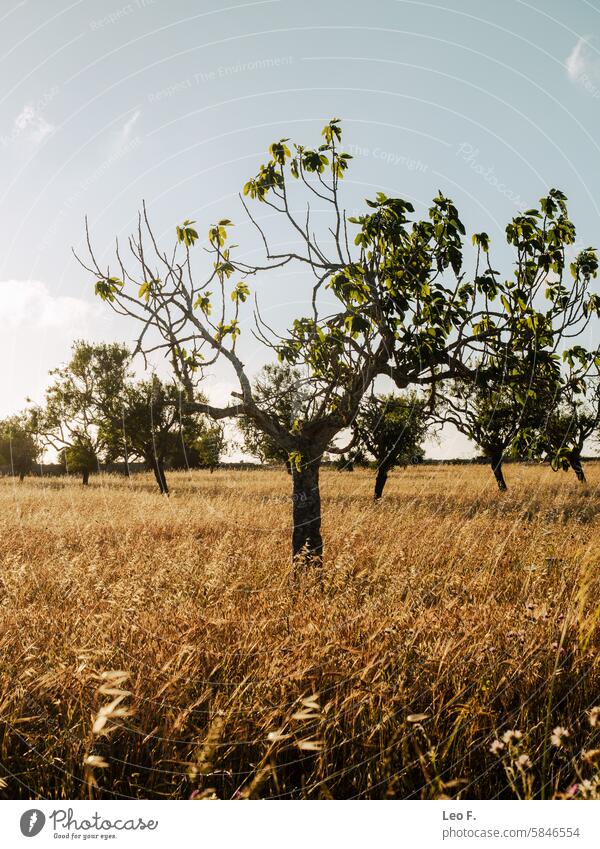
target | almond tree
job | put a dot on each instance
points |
(78, 401)
(500, 415)
(576, 416)
(392, 300)
(145, 421)
(392, 429)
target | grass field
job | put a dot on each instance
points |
(160, 648)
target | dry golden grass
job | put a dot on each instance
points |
(160, 648)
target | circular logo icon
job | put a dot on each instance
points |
(32, 822)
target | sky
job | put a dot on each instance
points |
(104, 104)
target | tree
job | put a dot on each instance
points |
(19, 446)
(147, 423)
(395, 302)
(79, 402)
(277, 388)
(503, 413)
(80, 456)
(576, 416)
(392, 429)
(205, 450)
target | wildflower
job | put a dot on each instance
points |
(573, 790)
(496, 747)
(512, 738)
(558, 736)
(524, 762)
(594, 717)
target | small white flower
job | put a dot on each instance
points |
(559, 735)
(594, 717)
(496, 747)
(524, 762)
(512, 738)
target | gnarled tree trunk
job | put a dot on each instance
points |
(496, 463)
(307, 543)
(85, 476)
(380, 481)
(574, 458)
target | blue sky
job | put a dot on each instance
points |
(104, 103)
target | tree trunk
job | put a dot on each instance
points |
(288, 467)
(574, 458)
(380, 481)
(159, 474)
(496, 463)
(21, 476)
(85, 476)
(307, 543)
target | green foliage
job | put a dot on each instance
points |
(149, 422)
(277, 389)
(19, 445)
(80, 456)
(504, 412)
(108, 289)
(200, 446)
(81, 399)
(392, 428)
(186, 234)
(573, 420)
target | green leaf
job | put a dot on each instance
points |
(295, 460)
(240, 293)
(186, 233)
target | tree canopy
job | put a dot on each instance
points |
(19, 443)
(392, 429)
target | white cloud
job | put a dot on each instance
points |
(583, 66)
(39, 328)
(31, 125)
(29, 305)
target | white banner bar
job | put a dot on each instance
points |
(301, 825)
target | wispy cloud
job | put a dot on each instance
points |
(583, 66)
(575, 63)
(126, 130)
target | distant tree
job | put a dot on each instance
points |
(574, 420)
(79, 403)
(80, 456)
(19, 445)
(279, 389)
(392, 428)
(501, 415)
(148, 423)
(208, 443)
